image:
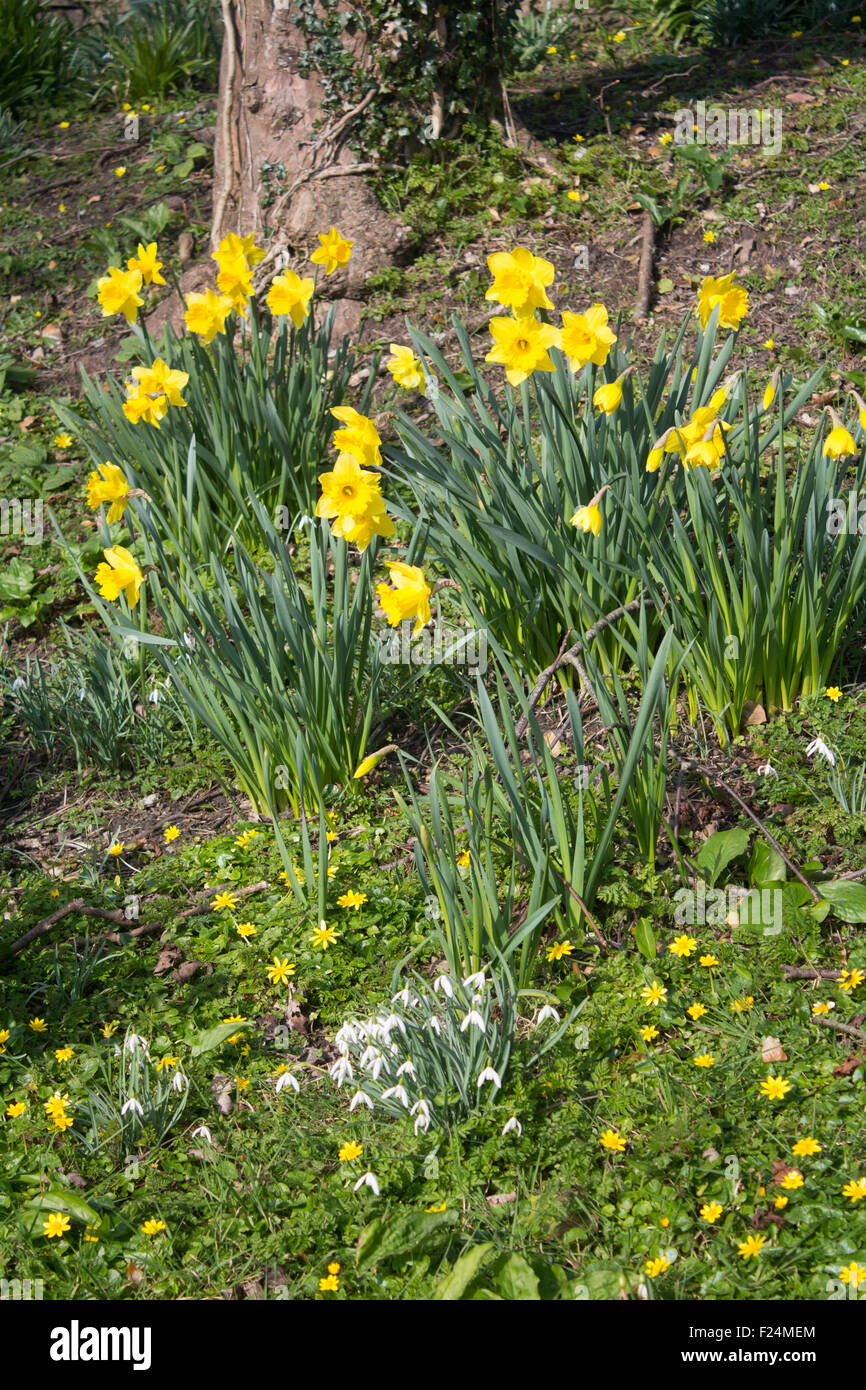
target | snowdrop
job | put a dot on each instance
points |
(402, 997)
(131, 1104)
(406, 1069)
(442, 982)
(489, 1074)
(511, 1124)
(178, 1081)
(819, 746)
(368, 1180)
(360, 1098)
(202, 1132)
(547, 1012)
(134, 1041)
(287, 1079)
(476, 981)
(473, 1017)
(341, 1070)
(766, 770)
(398, 1093)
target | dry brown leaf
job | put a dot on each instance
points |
(773, 1051)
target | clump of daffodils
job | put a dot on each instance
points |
(441, 1051)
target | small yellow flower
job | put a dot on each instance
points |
(741, 1006)
(57, 1224)
(775, 1087)
(559, 949)
(851, 979)
(804, 1148)
(822, 1007)
(62, 441)
(711, 1211)
(752, 1246)
(611, 1140)
(352, 899)
(704, 1060)
(709, 236)
(619, 37)
(464, 859)
(62, 125)
(350, 1151)
(108, 1030)
(649, 1033)
(792, 1180)
(666, 138)
(153, 1227)
(63, 1054)
(780, 1202)
(833, 693)
(242, 1082)
(656, 1267)
(683, 945)
(280, 971)
(330, 1284)
(708, 961)
(855, 1189)
(324, 936)
(38, 1025)
(654, 993)
(853, 1274)
(171, 833)
(165, 1063)
(696, 1011)
(120, 171)
(434, 1207)
(224, 900)
(16, 1108)
(117, 849)
(769, 344)
(246, 930)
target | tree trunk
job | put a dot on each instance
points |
(266, 116)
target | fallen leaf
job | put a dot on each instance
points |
(773, 1051)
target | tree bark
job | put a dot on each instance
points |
(267, 115)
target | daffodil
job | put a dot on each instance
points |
(408, 595)
(119, 574)
(586, 337)
(520, 281)
(732, 301)
(108, 484)
(290, 296)
(206, 314)
(406, 369)
(117, 293)
(145, 260)
(522, 346)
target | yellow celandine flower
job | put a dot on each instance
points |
(108, 1030)
(108, 484)
(823, 186)
(588, 519)
(280, 972)
(120, 171)
(62, 125)
(683, 945)
(435, 1208)
(62, 441)
(855, 1189)
(743, 1006)
(350, 1151)
(333, 251)
(775, 1087)
(666, 138)
(15, 1109)
(839, 443)
(851, 979)
(708, 961)
(206, 314)
(63, 1054)
(770, 344)
(656, 1267)
(5, 1035)
(224, 900)
(608, 398)
(246, 930)
(664, 1221)
(407, 597)
(833, 693)
(780, 1202)
(57, 1103)
(145, 260)
(38, 1025)
(586, 337)
(352, 899)
(654, 993)
(242, 1082)
(619, 37)
(61, 1120)
(520, 281)
(117, 293)
(804, 1148)
(117, 849)
(171, 833)
(464, 859)
(649, 1033)
(522, 347)
(165, 1063)
(119, 574)
(330, 1284)
(559, 949)
(406, 369)
(704, 1060)
(290, 295)
(324, 936)
(609, 1139)
(853, 1274)
(246, 838)
(153, 1227)
(822, 1007)
(751, 1246)
(732, 299)
(792, 1180)
(709, 236)
(56, 1224)
(711, 1211)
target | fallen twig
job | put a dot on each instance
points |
(645, 272)
(839, 1026)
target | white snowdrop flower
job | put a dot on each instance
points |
(202, 1132)
(178, 1081)
(81, 694)
(368, 1056)
(442, 982)
(341, 1070)
(304, 521)
(473, 1017)
(398, 1093)
(189, 640)
(378, 1064)
(819, 746)
(766, 770)
(511, 1124)
(155, 696)
(368, 1180)
(361, 1098)
(476, 981)
(19, 683)
(403, 996)
(407, 1069)
(392, 1021)
(131, 1104)
(422, 1123)
(489, 1074)
(117, 1051)
(345, 1037)
(434, 1024)
(287, 1079)
(420, 1108)
(547, 1012)
(134, 1041)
